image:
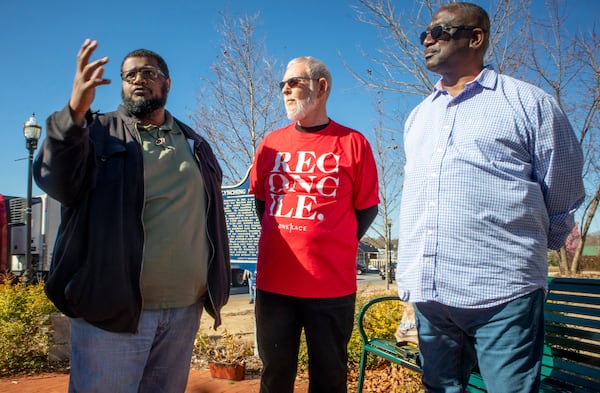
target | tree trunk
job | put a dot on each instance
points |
(584, 231)
(563, 261)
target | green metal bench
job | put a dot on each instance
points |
(571, 361)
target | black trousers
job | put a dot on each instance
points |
(327, 324)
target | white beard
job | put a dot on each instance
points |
(303, 107)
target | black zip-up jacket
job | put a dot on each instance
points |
(97, 174)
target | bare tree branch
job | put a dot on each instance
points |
(567, 64)
(242, 101)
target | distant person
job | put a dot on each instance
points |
(493, 177)
(142, 247)
(249, 277)
(316, 190)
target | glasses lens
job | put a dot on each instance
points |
(149, 74)
(292, 82)
(128, 76)
(435, 32)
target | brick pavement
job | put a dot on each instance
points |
(200, 382)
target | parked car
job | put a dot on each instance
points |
(392, 271)
(361, 268)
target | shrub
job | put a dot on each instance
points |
(24, 311)
(382, 322)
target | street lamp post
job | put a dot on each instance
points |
(32, 131)
(388, 253)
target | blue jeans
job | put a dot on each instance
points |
(506, 341)
(327, 327)
(155, 359)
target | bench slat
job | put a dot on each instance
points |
(592, 313)
(577, 358)
(571, 297)
(555, 386)
(565, 380)
(556, 329)
(570, 284)
(571, 320)
(476, 383)
(585, 370)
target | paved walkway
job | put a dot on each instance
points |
(200, 382)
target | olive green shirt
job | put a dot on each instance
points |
(175, 265)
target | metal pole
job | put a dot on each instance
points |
(27, 273)
(389, 251)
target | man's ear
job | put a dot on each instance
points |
(323, 86)
(478, 38)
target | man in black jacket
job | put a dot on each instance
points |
(142, 246)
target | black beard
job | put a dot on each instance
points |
(144, 106)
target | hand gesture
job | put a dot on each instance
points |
(87, 77)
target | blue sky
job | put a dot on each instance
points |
(39, 41)
(39, 44)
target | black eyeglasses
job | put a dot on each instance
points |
(295, 81)
(148, 73)
(437, 31)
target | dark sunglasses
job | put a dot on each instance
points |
(436, 32)
(295, 81)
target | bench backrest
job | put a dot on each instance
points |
(572, 352)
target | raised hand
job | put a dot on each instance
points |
(87, 77)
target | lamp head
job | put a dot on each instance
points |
(31, 129)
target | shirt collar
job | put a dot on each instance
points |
(487, 79)
(168, 126)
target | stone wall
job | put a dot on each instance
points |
(58, 340)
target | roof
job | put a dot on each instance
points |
(364, 247)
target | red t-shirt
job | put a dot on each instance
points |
(312, 184)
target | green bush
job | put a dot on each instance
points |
(382, 321)
(24, 311)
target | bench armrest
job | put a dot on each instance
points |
(363, 310)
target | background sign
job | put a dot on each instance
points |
(243, 226)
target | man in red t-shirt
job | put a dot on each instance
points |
(316, 191)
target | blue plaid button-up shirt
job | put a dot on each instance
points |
(493, 177)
